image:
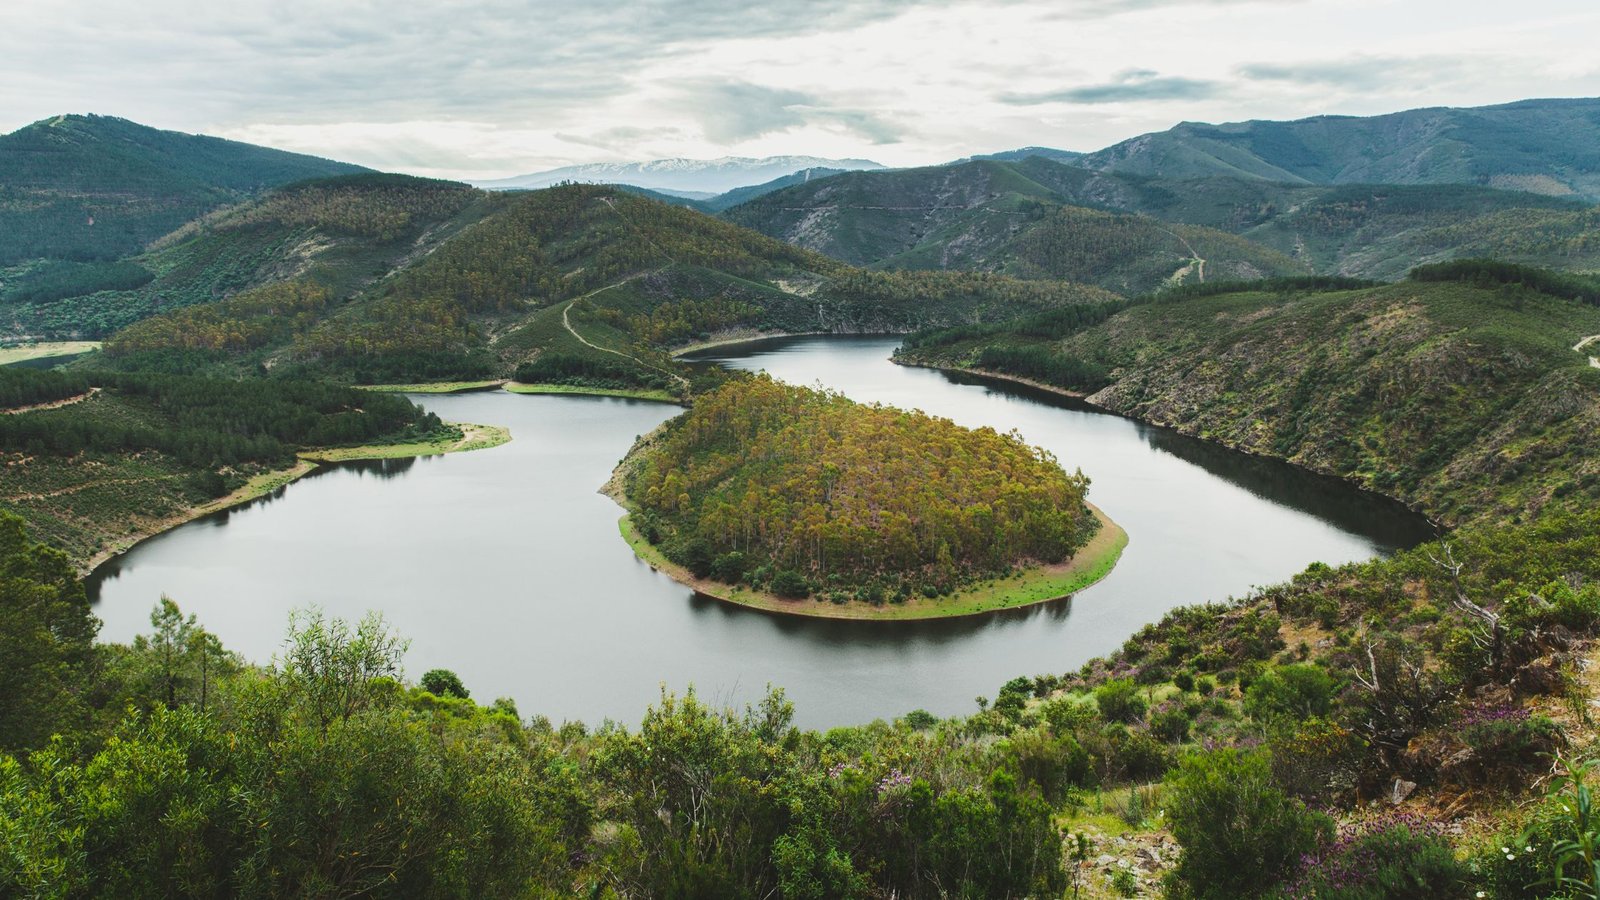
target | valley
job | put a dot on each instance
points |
(989, 528)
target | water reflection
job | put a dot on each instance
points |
(506, 564)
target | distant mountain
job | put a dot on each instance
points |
(692, 176)
(1050, 153)
(1543, 146)
(1029, 220)
(98, 187)
(976, 215)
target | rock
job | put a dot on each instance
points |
(1401, 790)
(1105, 860)
(1538, 679)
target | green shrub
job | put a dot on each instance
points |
(791, 584)
(1395, 859)
(1119, 700)
(1296, 691)
(1171, 725)
(444, 683)
(1240, 834)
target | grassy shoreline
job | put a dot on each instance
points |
(1040, 584)
(474, 437)
(45, 350)
(433, 387)
(655, 395)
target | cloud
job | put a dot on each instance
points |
(1131, 86)
(734, 112)
(1357, 72)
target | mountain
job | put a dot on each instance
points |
(1050, 153)
(582, 282)
(993, 216)
(971, 215)
(98, 187)
(1543, 146)
(680, 176)
(1457, 391)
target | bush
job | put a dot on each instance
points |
(1119, 700)
(1240, 834)
(1171, 725)
(444, 683)
(791, 585)
(1395, 859)
(1053, 765)
(1294, 692)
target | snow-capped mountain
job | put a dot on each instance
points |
(689, 177)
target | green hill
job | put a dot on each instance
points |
(98, 187)
(999, 216)
(592, 274)
(1461, 396)
(341, 233)
(1545, 146)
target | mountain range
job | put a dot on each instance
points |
(697, 179)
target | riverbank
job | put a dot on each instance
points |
(1032, 586)
(997, 376)
(434, 387)
(658, 396)
(473, 437)
(45, 350)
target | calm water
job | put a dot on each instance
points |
(506, 566)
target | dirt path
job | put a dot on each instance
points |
(1578, 348)
(53, 404)
(1200, 263)
(567, 323)
(73, 489)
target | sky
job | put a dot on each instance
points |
(491, 88)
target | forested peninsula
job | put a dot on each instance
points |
(804, 501)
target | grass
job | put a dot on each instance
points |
(473, 437)
(1039, 584)
(433, 387)
(656, 394)
(45, 350)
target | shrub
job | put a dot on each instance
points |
(1051, 764)
(1240, 834)
(1184, 681)
(1171, 725)
(1394, 859)
(1119, 700)
(444, 683)
(1296, 691)
(791, 584)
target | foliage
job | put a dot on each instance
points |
(1240, 834)
(1493, 272)
(810, 482)
(46, 637)
(1389, 859)
(1119, 700)
(443, 682)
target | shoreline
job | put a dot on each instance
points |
(1176, 429)
(474, 437)
(757, 337)
(1030, 587)
(654, 396)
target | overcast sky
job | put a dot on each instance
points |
(488, 88)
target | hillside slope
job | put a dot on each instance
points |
(976, 214)
(98, 187)
(604, 280)
(1464, 399)
(997, 217)
(1547, 146)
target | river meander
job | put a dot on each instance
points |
(506, 565)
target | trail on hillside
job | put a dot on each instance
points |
(1200, 263)
(566, 322)
(1578, 348)
(53, 404)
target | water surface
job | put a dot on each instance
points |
(506, 565)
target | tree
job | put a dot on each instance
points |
(1240, 834)
(444, 683)
(46, 639)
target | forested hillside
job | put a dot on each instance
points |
(341, 234)
(800, 491)
(598, 277)
(98, 188)
(90, 459)
(1546, 146)
(1004, 216)
(1460, 394)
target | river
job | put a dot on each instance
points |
(506, 566)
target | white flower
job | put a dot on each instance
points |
(1528, 849)
(1505, 849)
(1480, 895)
(1510, 856)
